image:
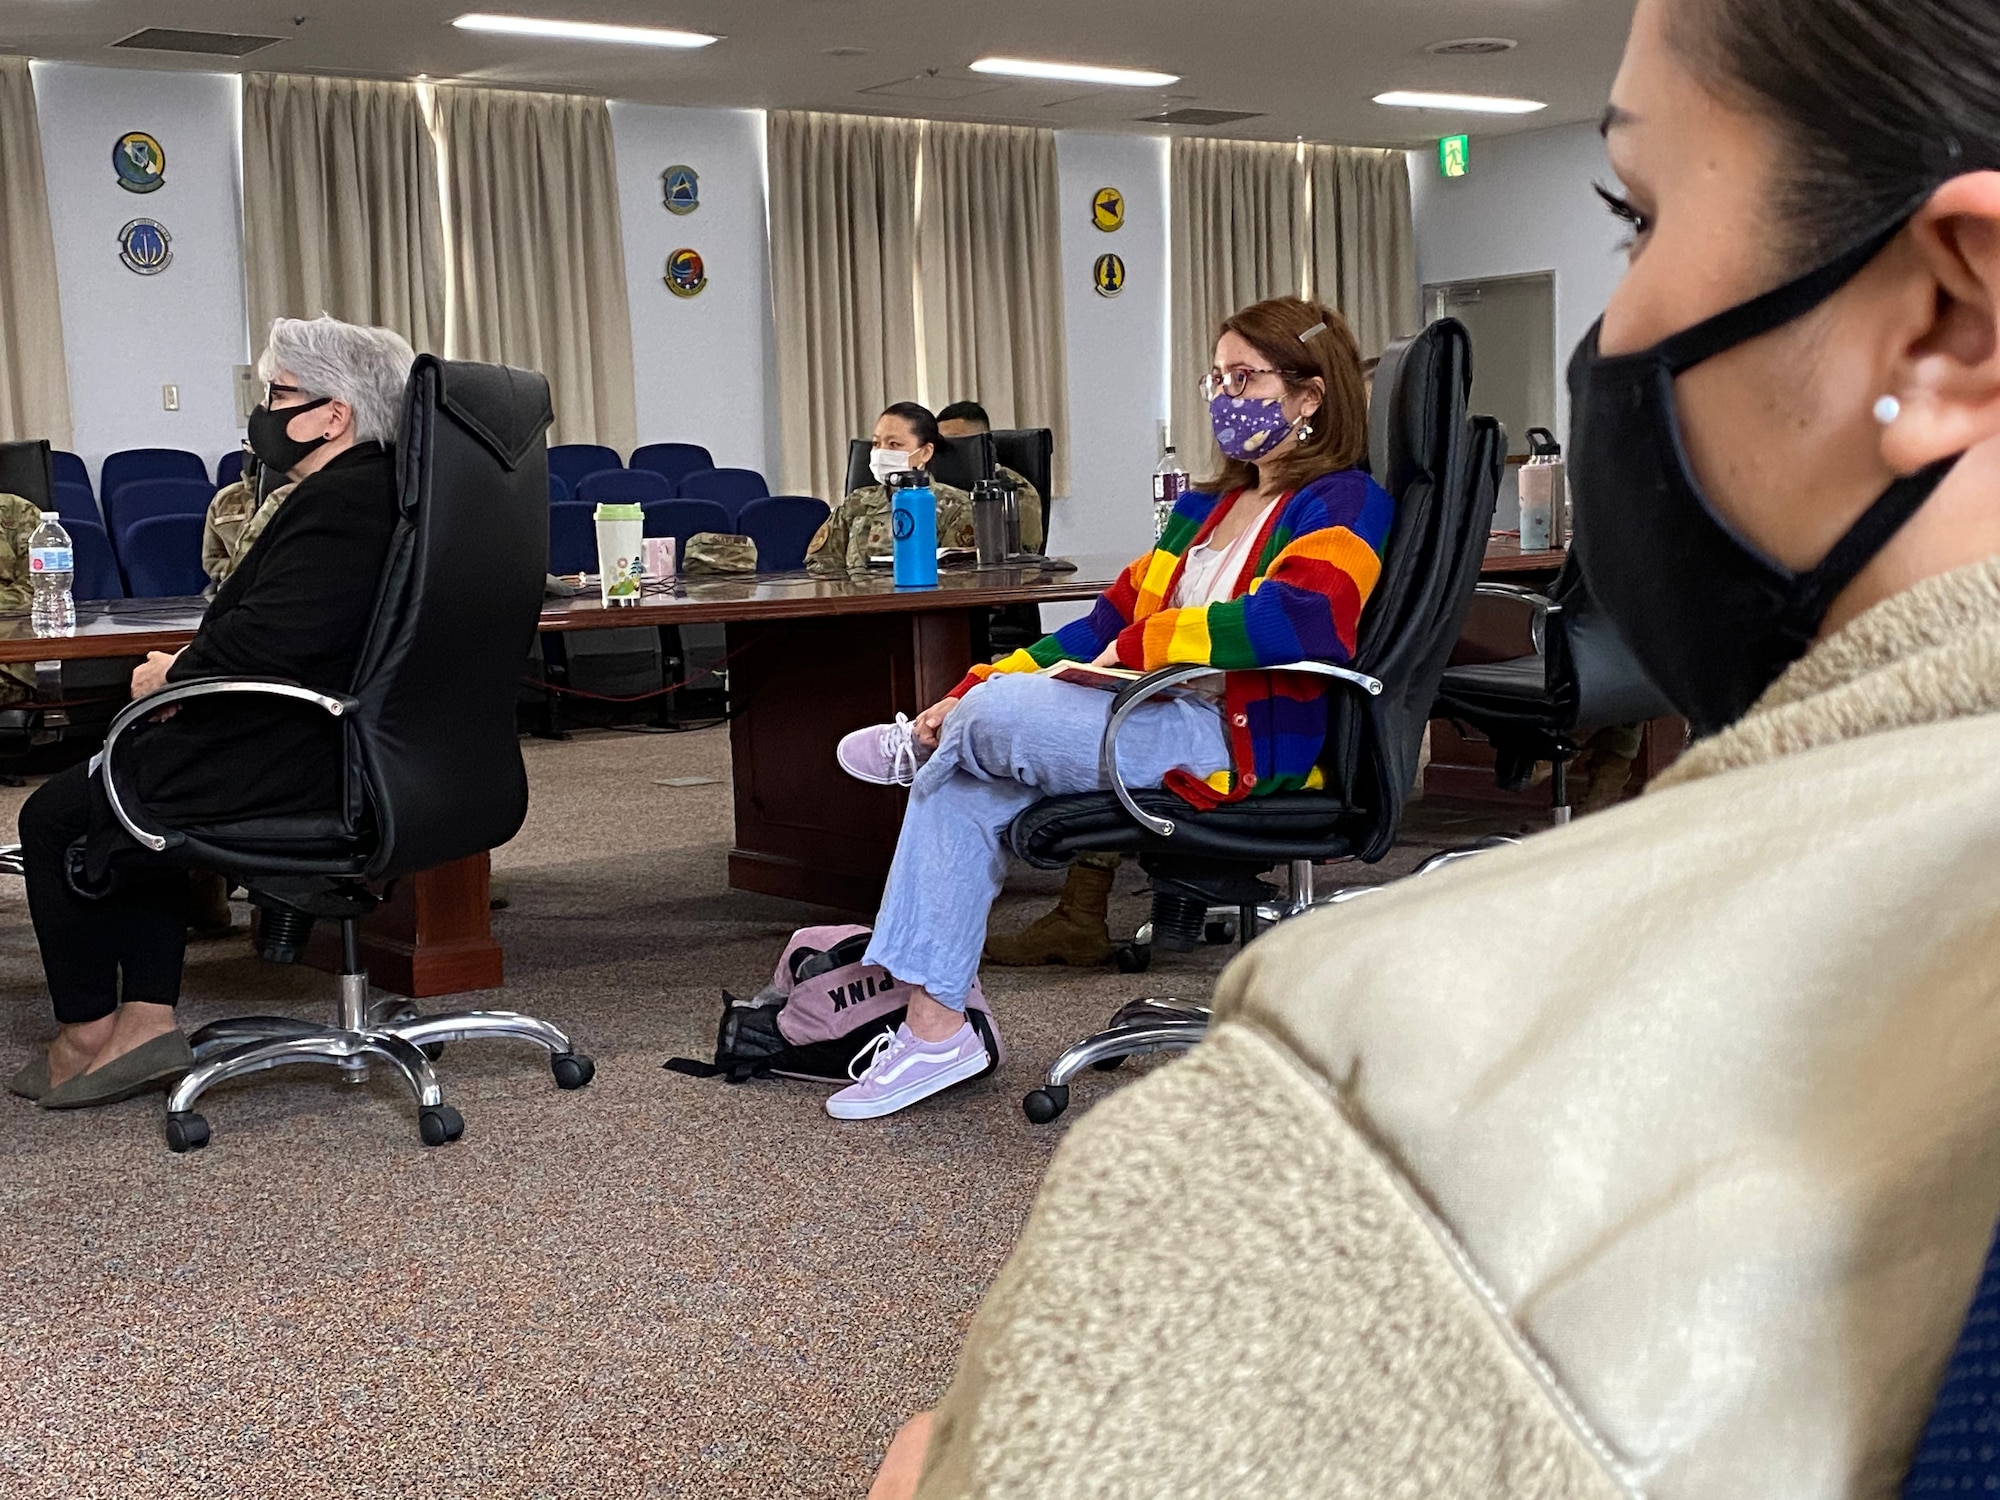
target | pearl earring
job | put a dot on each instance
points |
(1887, 410)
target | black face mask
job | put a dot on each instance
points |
(270, 441)
(1713, 621)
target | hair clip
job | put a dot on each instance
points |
(1313, 332)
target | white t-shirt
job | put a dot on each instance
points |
(1208, 576)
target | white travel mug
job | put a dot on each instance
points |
(621, 562)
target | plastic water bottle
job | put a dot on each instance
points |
(51, 568)
(913, 513)
(1170, 482)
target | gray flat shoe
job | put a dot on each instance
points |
(32, 1082)
(146, 1069)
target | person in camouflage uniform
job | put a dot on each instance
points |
(235, 520)
(906, 437)
(969, 419)
(18, 520)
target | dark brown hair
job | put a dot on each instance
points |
(1340, 426)
(1879, 101)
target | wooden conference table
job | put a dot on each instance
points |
(809, 658)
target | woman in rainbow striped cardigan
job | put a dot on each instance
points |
(1272, 564)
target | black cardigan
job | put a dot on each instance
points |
(296, 608)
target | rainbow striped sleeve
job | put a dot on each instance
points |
(1318, 568)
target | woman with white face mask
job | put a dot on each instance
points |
(906, 437)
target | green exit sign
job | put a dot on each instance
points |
(1455, 156)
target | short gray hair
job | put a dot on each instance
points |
(365, 367)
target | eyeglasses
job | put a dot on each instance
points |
(272, 388)
(1230, 383)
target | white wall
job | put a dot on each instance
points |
(1528, 206)
(704, 365)
(126, 335)
(1117, 345)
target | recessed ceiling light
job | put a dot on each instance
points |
(1478, 104)
(583, 31)
(1018, 67)
(1473, 46)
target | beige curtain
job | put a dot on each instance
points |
(34, 377)
(1364, 245)
(1239, 234)
(340, 206)
(537, 254)
(843, 244)
(989, 261)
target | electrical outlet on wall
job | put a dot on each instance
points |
(170, 398)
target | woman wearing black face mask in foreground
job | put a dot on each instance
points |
(295, 609)
(1661, 1154)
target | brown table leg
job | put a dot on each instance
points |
(804, 828)
(432, 937)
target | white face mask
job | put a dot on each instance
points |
(882, 462)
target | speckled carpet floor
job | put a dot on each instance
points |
(656, 1287)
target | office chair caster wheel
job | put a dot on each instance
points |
(186, 1132)
(432, 1050)
(1108, 1064)
(573, 1070)
(1135, 958)
(1217, 933)
(1046, 1104)
(440, 1124)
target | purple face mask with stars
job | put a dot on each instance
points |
(1247, 427)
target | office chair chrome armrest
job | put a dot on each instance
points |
(1155, 683)
(181, 692)
(1541, 604)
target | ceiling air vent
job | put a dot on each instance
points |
(1473, 46)
(1201, 117)
(204, 43)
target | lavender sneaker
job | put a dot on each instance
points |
(902, 1069)
(886, 754)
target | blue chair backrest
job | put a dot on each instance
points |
(71, 469)
(74, 502)
(574, 460)
(572, 537)
(162, 557)
(1960, 1451)
(229, 468)
(675, 460)
(559, 491)
(96, 566)
(150, 463)
(625, 487)
(782, 526)
(681, 519)
(134, 502)
(731, 487)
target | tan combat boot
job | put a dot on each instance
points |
(1076, 933)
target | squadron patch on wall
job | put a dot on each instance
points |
(1108, 275)
(685, 274)
(145, 247)
(140, 162)
(1107, 209)
(680, 190)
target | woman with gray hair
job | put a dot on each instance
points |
(112, 923)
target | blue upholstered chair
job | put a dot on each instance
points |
(732, 489)
(572, 537)
(140, 499)
(675, 461)
(74, 502)
(559, 490)
(1960, 1451)
(96, 564)
(782, 526)
(574, 460)
(625, 487)
(135, 464)
(229, 468)
(162, 557)
(70, 469)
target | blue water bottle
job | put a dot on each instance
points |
(913, 512)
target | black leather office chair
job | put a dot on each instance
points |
(1031, 453)
(1444, 474)
(433, 770)
(1580, 679)
(961, 462)
(27, 469)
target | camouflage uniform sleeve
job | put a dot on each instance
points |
(954, 516)
(220, 529)
(256, 525)
(18, 520)
(827, 551)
